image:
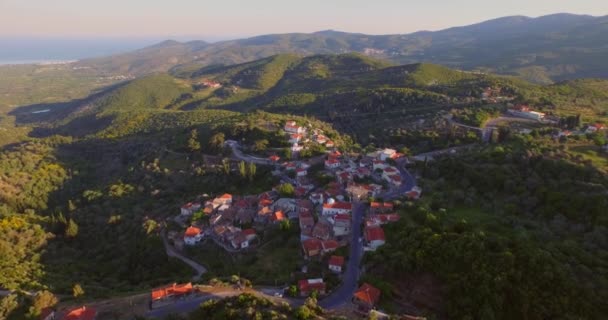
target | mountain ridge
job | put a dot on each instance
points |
(543, 49)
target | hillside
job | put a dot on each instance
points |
(341, 89)
(544, 49)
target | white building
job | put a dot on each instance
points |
(332, 207)
(387, 154)
(192, 236)
(525, 112)
(190, 208)
(292, 127)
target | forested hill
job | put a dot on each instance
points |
(336, 88)
(544, 49)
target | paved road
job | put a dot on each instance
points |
(190, 304)
(236, 151)
(350, 278)
(432, 154)
(409, 182)
(171, 252)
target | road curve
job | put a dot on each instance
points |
(171, 252)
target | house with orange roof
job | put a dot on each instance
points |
(336, 263)
(295, 137)
(292, 127)
(308, 286)
(225, 199)
(329, 246)
(366, 297)
(162, 295)
(374, 237)
(306, 220)
(380, 207)
(82, 313)
(274, 158)
(312, 247)
(192, 235)
(322, 230)
(278, 216)
(330, 144)
(332, 163)
(263, 215)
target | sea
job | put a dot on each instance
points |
(37, 50)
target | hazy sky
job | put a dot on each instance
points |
(231, 18)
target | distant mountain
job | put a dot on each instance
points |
(545, 49)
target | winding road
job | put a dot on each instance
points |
(171, 252)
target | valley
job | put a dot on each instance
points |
(312, 176)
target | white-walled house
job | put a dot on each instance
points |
(337, 207)
(192, 236)
(374, 237)
(336, 263)
(190, 208)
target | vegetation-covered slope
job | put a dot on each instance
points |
(554, 47)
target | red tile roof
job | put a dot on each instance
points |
(309, 285)
(311, 245)
(192, 232)
(339, 205)
(248, 232)
(172, 290)
(82, 313)
(374, 233)
(274, 158)
(342, 217)
(383, 205)
(330, 245)
(265, 202)
(368, 294)
(225, 196)
(279, 215)
(336, 261)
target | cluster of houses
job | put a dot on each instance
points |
(494, 95)
(590, 128)
(223, 212)
(347, 170)
(298, 135)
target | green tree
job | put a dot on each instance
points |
(286, 190)
(42, 299)
(71, 229)
(285, 225)
(260, 145)
(193, 143)
(252, 171)
(217, 141)
(293, 290)
(77, 291)
(8, 304)
(226, 166)
(303, 313)
(242, 169)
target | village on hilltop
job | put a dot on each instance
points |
(323, 213)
